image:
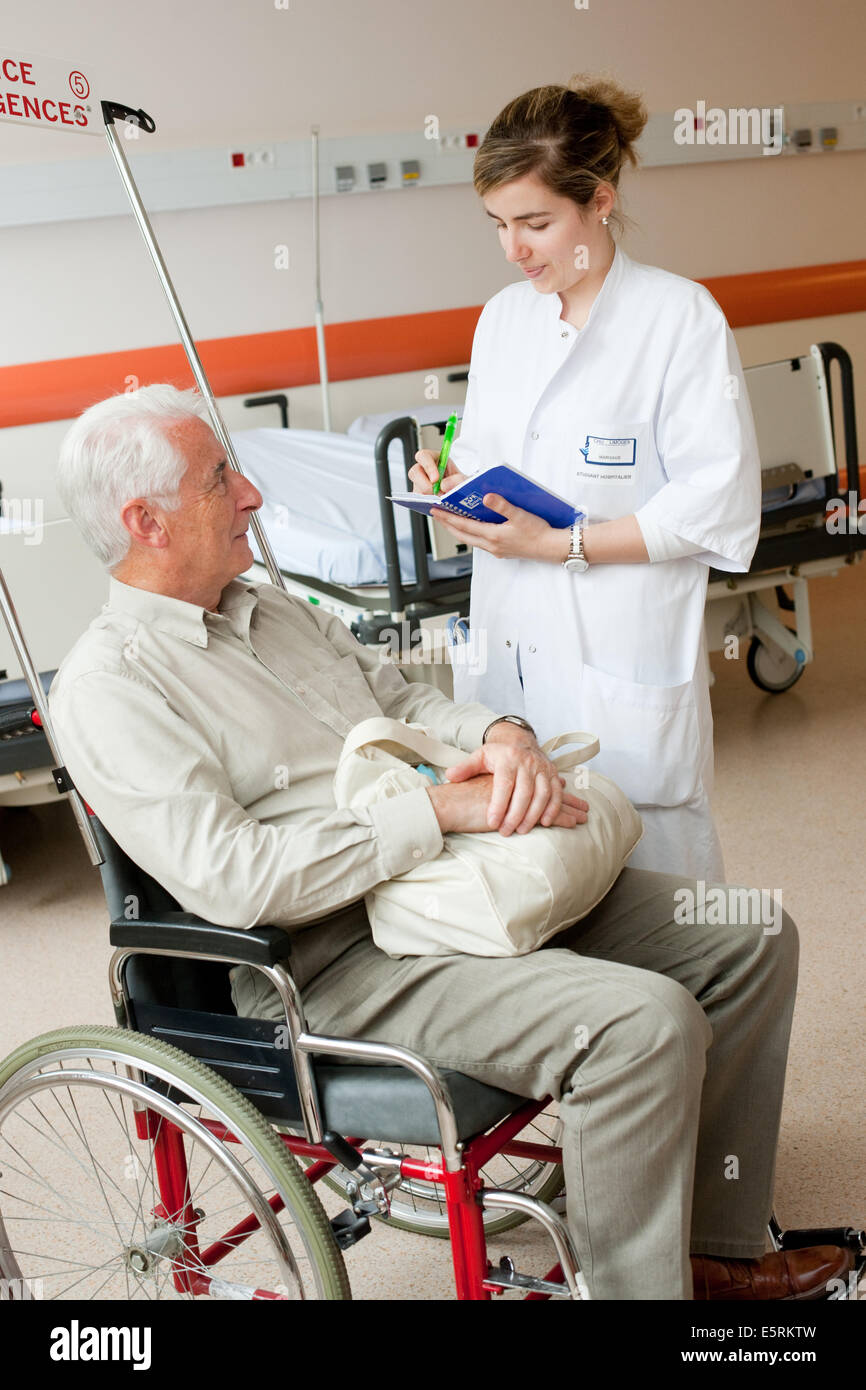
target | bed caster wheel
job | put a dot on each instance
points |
(772, 669)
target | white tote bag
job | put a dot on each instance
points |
(485, 894)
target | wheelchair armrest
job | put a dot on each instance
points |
(183, 931)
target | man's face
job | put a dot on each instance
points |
(207, 532)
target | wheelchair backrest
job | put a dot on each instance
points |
(125, 884)
(150, 979)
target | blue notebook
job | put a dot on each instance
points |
(507, 482)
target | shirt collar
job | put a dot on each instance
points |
(188, 621)
(616, 270)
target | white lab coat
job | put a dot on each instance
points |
(644, 410)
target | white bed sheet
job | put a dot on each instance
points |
(321, 503)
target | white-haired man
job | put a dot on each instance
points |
(201, 716)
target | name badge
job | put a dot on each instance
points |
(609, 451)
(609, 459)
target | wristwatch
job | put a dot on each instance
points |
(576, 562)
(508, 719)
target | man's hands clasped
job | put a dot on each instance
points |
(507, 785)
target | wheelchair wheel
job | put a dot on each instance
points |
(132, 1171)
(420, 1206)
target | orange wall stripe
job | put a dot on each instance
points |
(801, 292)
(38, 391)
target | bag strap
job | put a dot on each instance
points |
(397, 738)
(566, 761)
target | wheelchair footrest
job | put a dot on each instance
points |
(505, 1276)
(349, 1228)
(845, 1236)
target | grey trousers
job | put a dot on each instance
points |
(665, 1042)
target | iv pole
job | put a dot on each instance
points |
(320, 308)
(112, 110)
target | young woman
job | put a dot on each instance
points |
(619, 386)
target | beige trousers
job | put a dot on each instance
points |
(665, 1042)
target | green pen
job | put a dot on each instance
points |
(450, 430)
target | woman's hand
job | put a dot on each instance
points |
(426, 470)
(521, 536)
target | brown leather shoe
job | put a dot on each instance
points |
(782, 1274)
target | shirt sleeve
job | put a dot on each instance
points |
(462, 726)
(706, 440)
(159, 788)
(662, 544)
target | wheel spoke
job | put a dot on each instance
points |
(66, 1150)
(41, 1182)
(91, 1270)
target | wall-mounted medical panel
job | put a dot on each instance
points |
(429, 157)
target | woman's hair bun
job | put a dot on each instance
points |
(625, 109)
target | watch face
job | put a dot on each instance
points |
(577, 565)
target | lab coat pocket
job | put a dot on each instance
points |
(650, 737)
(612, 458)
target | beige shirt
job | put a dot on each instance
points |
(206, 743)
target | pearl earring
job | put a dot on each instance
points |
(604, 221)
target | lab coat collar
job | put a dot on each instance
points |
(175, 616)
(617, 269)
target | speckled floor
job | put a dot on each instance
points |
(790, 802)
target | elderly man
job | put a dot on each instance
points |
(202, 716)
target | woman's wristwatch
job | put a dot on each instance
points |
(508, 719)
(576, 562)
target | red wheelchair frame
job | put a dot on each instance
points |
(474, 1278)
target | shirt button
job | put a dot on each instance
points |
(532, 649)
(564, 333)
(507, 642)
(534, 434)
(300, 690)
(417, 854)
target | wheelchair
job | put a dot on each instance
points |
(176, 1156)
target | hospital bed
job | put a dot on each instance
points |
(60, 587)
(811, 520)
(392, 578)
